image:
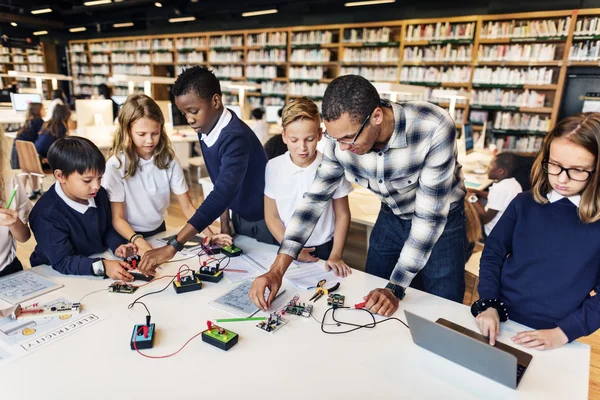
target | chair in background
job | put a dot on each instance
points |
(29, 161)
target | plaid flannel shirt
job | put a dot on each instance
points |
(416, 175)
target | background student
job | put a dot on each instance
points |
(29, 132)
(290, 175)
(542, 259)
(259, 125)
(13, 218)
(53, 129)
(141, 173)
(235, 161)
(58, 98)
(72, 220)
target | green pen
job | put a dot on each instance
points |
(241, 319)
(12, 197)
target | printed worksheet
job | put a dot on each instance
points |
(25, 285)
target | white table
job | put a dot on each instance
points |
(297, 362)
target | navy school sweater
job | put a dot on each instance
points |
(236, 165)
(543, 262)
(66, 238)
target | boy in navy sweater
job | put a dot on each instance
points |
(235, 161)
(73, 220)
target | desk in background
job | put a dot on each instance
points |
(297, 362)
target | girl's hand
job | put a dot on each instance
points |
(142, 246)
(8, 217)
(543, 339)
(220, 240)
(121, 251)
(339, 267)
(489, 324)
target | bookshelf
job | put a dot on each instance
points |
(30, 59)
(513, 65)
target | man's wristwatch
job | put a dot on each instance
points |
(473, 198)
(98, 268)
(173, 242)
(396, 289)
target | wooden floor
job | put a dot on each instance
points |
(355, 255)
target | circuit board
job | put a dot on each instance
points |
(336, 300)
(301, 310)
(272, 324)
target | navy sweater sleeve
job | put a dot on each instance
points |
(235, 154)
(43, 143)
(497, 247)
(56, 244)
(585, 320)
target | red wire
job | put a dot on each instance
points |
(165, 356)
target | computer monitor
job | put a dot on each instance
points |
(468, 138)
(94, 113)
(272, 115)
(237, 110)
(119, 99)
(20, 101)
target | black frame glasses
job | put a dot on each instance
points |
(353, 141)
(546, 164)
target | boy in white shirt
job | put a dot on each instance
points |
(501, 193)
(290, 175)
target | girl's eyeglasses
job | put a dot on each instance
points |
(353, 141)
(579, 175)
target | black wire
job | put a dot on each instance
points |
(130, 306)
(356, 326)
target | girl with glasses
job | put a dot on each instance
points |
(542, 259)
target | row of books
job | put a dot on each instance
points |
(82, 90)
(368, 35)
(310, 55)
(513, 76)
(272, 87)
(312, 37)
(260, 102)
(267, 39)
(36, 59)
(273, 55)
(121, 45)
(191, 43)
(81, 69)
(261, 71)
(160, 57)
(307, 89)
(373, 73)
(382, 54)
(588, 50)
(78, 58)
(130, 69)
(503, 98)
(162, 44)
(191, 57)
(103, 58)
(226, 56)
(587, 26)
(441, 95)
(440, 31)
(519, 121)
(435, 74)
(104, 69)
(77, 48)
(521, 144)
(226, 41)
(517, 52)
(526, 29)
(446, 52)
(229, 71)
(306, 73)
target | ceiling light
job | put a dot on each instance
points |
(261, 12)
(123, 25)
(368, 3)
(80, 29)
(40, 33)
(157, 4)
(42, 11)
(96, 2)
(182, 19)
(13, 23)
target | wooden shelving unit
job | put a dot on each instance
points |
(519, 60)
(22, 59)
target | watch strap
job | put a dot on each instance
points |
(173, 242)
(398, 290)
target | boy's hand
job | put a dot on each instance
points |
(489, 324)
(121, 251)
(305, 255)
(153, 258)
(544, 339)
(382, 302)
(339, 267)
(117, 270)
(220, 240)
(8, 217)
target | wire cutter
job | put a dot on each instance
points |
(320, 291)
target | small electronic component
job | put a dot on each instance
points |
(336, 300)
(272, 324)
(232, 251)
(122, 288)
(133, 260)
(142, 336)
(209, 273)
(301, 310)
(186, 284)
(219, 337)
(46, 311)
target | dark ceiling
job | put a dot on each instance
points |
(226, 14)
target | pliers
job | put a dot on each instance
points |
(320, 291)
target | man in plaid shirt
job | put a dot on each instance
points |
(406, 155)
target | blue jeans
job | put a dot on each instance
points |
(444, 273)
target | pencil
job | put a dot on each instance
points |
(236, 270)
(241, 319)
(12, 196)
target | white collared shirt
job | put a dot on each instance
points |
(286, 183)
(80, 208)
(554, 196)
(22, 205)
(212, 137)
(147, 194)
(499, 197)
